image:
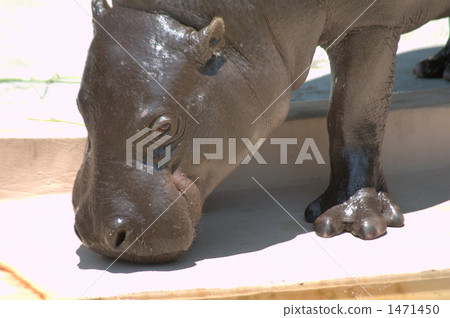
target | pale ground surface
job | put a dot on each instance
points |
(244, 239)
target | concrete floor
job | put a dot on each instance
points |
(244, 239)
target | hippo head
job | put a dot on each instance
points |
(147, 72)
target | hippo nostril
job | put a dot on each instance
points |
(120, 238)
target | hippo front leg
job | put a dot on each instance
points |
(357, 200)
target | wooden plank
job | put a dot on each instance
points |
(14, 286)
(414, 286)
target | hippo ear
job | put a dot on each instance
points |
(209, 40)
(99, 8)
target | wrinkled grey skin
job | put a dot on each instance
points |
(226, 62)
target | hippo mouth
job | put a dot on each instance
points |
(190, 193)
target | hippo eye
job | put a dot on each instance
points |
(162, 124)
(164, 127)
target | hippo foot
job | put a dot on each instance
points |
(437, 66)
(366, 214)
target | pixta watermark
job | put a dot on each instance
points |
(152, 150)
(152, 142)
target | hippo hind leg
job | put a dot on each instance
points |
(436, 66)
(357, 199)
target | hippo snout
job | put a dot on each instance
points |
(132, 240)
(150, 222)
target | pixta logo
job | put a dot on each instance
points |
(151, 158)
(307, 151)
(153, 150)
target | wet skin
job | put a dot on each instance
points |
(203, 69)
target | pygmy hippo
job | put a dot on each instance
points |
(169, 72)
